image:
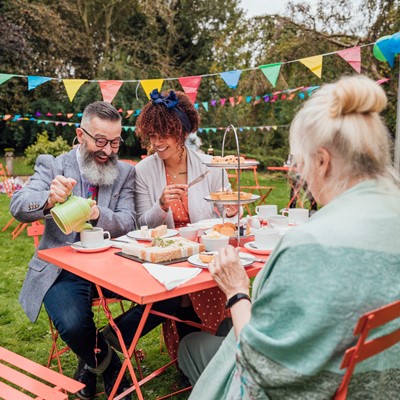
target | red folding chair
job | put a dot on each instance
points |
(365, 349)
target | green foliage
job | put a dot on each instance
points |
(44, 146)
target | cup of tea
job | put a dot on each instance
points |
(280, 221)
(266, 238)
(94, 237)
(266, 211)
(73, 214)
(297, 216)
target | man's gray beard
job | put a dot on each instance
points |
(100, 174)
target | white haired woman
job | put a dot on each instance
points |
(288, 340)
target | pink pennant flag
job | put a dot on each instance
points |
(232, 101)
(190, 85)
(352, 56)
(222, 101)
(109, 89)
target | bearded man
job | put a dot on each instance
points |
(89, 169)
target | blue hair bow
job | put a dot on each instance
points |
(170, 101)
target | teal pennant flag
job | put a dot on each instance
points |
(271, 71)
(231, 78)
(205, 105)
(5, 77)
(35, 81)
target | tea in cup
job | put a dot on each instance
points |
(297, 216)
(73, 214)
(94, 237)
(266, 238)
(266, 211)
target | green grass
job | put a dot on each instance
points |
(33, 341)
(19, 166)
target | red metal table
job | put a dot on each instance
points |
(129, 279)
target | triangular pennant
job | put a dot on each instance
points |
(213, 102)
(386, 48)
(5, 77)
(231, 78)
(248, 99)
(149, 85)
(6, 117)
(239, 99)
(70, 115)
(222, 101)
(205, 105)
(190, 85)
(271, 72)
(109, 89)
(314, 64)
(129, 113)
(196, 106)
(352, 56)
(232, 101)
(35, 81)
(72, 86)
(274, 127)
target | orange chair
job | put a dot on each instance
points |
(35, 230)
(262, 191)
(20, 376)
(365, 349)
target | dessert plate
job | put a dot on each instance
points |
(78, 247)
(253, 248)
(247, 259)
(252, 199)
(138, 235)
(246, 164)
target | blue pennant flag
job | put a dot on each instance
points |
(231, 78)
(34, 81)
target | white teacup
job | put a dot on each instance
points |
(298, 216)
(278, 220)
(266, 238)
(266, 211)
(95, 237)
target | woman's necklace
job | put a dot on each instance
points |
(176, 175)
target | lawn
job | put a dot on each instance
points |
(33, 341)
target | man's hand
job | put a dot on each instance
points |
(60, 189)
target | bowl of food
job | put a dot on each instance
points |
(214, 241)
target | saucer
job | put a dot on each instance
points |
(246, 259)
(107, 244)
(253, 248)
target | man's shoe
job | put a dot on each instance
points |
(110, 376)
(83, 375)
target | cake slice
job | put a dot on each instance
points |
(159, 231)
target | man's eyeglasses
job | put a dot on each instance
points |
(102, 142)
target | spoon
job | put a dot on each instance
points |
(77, 245)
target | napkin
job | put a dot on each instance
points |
(171, 277)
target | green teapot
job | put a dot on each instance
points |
(73, 214)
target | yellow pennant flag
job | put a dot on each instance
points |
(72, 86)
(314, 64)
(149, 85)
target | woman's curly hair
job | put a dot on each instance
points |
(158, 119)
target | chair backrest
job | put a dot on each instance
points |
(35, 230)
(5, 178)
(365, 349)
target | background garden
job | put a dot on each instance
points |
(138, 40)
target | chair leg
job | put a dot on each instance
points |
(8, 224)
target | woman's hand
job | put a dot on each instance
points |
(172, 193)
(228, 271)
(60, 189)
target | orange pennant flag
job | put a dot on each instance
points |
(6, 117)
(190, 85)
(314, 64)
(69, 115)
(129, 113)
(72, 86)
(149, 85)
(109, 89)
(232, 101)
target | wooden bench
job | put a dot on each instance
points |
(21, 378)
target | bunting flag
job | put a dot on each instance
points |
(205, 105)
(385, 47)
(109, 89)
(72, 86)
(271, 72)
(190, 85)
(352, 56)
(232, 101)
(35, 81)
(5, 77)
(231, 78)
(314, 64)
(149, 85)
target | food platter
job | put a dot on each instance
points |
(252, 199)
(246, 164)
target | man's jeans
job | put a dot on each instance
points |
(69, 304)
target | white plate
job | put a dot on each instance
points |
(107, 244)
(247, 259)
(252, 199)
(206, 223)
(208, 231)
(138, 235)
(253, 248)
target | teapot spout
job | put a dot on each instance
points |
(84, 226)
